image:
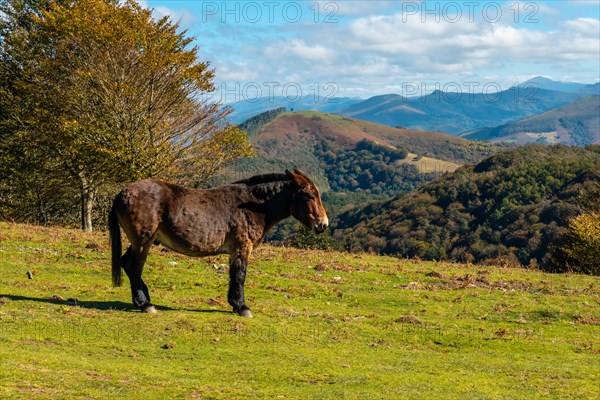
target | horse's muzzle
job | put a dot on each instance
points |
(320, 227)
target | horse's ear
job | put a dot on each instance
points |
(300, 172)
(298, 179)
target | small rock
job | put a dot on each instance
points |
(57, 297)
(222, 269)
(337, 278)
(410, 319)
(93, 246)
(4, 300)
(172, 263)
(30, 274)
(167, 346)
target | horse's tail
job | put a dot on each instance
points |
(115, 246)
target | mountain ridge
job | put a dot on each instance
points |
(543, 82)
(456, 112)
(575, 123)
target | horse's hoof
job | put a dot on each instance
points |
(245, 313)
(149, 310)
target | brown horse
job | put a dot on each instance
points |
(231, 219)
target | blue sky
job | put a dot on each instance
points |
(363, 48)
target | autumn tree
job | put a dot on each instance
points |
(113, 95)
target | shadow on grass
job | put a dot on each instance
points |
(99, 305)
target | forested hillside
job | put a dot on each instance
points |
(510, 208)
(253, 125)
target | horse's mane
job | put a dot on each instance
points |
(264, 178)
(265, 186)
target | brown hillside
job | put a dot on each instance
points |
(345, 131)
(310, 126)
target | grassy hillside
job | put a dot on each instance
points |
(577, 123)
(510, 208)
(327, 326)
(458, 112)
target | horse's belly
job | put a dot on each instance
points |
(198, 246)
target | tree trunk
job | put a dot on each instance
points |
(41, 206)
(88, 196)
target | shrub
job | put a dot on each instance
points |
(579, 246)
(304, 238)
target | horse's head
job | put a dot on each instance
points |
(306, 204)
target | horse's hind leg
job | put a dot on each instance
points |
(124, 261)
(125, 258)
(237, 276)
(134, 266)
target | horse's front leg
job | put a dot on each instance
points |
(237, 275)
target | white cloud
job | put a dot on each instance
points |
(299, 48)
(468, 46)
(237, 72)
(584, 26)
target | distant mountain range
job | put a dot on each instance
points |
(548, 84)
(456, 113)
(590, 90)
(576, 123)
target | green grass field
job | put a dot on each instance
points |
(327, 326)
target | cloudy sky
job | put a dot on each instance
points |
(363, 48)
